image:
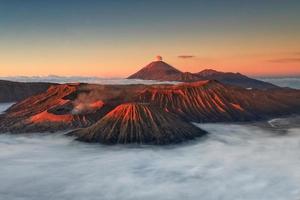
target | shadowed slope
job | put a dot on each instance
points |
(159, 70)
(138, 123)
(235, 79)
(15, 91)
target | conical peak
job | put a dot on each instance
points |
(130, 111)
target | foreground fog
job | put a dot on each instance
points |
(255, 161)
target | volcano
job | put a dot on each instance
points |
(139, 123)
(71, 106)
(161, 71)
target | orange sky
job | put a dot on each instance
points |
(115, 39)
(121, 62)
(96, 56)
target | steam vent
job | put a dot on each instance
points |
(138, 123)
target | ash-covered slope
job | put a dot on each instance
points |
(139, 123)
(212, 101)
(15, 91)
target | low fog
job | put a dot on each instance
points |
(84, 79)
(292, 82)
(233, 162)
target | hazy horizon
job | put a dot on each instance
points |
(124, 77)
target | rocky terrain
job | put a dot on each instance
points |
(71, 106)
(212, 101)
(152, 114)
(159, 70)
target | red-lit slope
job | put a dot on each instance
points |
(64, 107)
(73, 106)
(211, 101)
(49, 111)
(138, 123)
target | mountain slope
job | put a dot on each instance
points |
(212, 101)
(159, 70)
(15, 91)
(235, 79)
(70, 106)
(138, 123)
(49, 111)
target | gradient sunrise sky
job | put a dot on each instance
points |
(118, 37)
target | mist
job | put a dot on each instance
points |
(4, 107)
(292, 82)
(234, 161)
(84, 79)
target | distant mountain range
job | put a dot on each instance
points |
(161, 71)
(12, 91)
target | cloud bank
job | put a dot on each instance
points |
(285, 60)
(186, 56)
(233, 162)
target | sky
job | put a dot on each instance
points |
(116, 38)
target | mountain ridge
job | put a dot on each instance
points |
(11, 91)
(161, 71)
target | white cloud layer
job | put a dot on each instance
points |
(233, 162)
(82, 79)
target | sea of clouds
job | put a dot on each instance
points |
(83, 79)
(235, 161)
(293, 82)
